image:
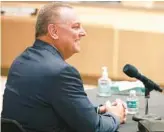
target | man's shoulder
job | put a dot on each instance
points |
(69, 68)
(64, 68)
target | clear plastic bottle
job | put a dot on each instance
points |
(104, 84)
(132, 102)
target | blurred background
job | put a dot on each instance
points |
(119, 32)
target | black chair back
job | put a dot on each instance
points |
(9, 125)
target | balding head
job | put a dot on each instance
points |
(49, 13)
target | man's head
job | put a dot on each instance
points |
(59, 25)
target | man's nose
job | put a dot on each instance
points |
(82, 32)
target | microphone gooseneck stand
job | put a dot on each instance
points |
(147, 115)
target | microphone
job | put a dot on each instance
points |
(131, 71)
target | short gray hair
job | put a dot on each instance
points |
(49, 13)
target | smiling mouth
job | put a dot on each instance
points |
(77, 40)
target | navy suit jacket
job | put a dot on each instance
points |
(45, 94)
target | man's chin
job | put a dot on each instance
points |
(77, 50)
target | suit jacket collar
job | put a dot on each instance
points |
(48, 47)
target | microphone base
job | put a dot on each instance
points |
(138, 117)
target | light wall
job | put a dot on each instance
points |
(115, 37)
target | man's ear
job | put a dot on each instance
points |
(52, 31)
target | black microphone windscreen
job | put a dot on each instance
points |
(130, 70)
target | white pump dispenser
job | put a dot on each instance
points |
(104, 83)
(104, 72)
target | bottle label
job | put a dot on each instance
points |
(132, 104)
(104, 88)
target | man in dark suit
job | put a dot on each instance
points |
(44, 93)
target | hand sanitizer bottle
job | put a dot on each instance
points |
(132, 103)
(104, 84)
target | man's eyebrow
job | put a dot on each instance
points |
(77, 23)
